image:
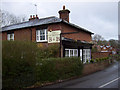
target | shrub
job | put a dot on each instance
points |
(58, 68)
(92, 61)
(87, 61)
(18, 62)
(101, 59)
(48, 52)
(97, 59)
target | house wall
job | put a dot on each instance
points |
(22, 34)
(54, 27)
(4, 35)
(83, 36)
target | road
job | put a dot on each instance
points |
(107, 78)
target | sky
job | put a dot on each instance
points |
(97, 16)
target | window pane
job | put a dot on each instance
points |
(46, 31)
(37, 37)
(37, 32)
(75, 52)
(43, 37)
(71, 52)
(67, 53)
(8, 36)
(46, 37)
(41, 32)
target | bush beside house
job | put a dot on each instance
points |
(18, 63)
(23, 65)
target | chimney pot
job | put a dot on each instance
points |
(33, 16)
(30, 17)
(64, 7)
(36, 15)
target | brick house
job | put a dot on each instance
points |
(73, 40)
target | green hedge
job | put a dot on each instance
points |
(24, 64)
(99, 59)
(58, 68)
(48, 52)
(18, 63)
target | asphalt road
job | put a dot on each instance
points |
(107, 78)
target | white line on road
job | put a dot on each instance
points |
(108, 83)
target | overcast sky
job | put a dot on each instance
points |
(97, 16)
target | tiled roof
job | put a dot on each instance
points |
(31, 23)
(37, 22)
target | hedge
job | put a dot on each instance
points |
(58, 68)
(18, 64)
(24, 64)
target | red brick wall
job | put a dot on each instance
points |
(54, 27)
(4, 35)
(76, 36)
(33, 34)
(22, 34)
(66, 28)
(91, 68)
(100, 55)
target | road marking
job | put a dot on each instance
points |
(108, 83)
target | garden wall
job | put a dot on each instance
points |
(94, 67)
(100, 55)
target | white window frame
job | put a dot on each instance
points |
(73, 53)
(86, 55)
(38, 35)
(9, 38)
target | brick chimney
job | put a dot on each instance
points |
(32, 17)
(64, 14)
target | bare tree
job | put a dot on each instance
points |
(97, 37)
(8, 18)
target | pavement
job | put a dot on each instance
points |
(107, 78)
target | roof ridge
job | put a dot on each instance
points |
(29, 21)
(48, 17)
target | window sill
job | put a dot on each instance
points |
(42, 41)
